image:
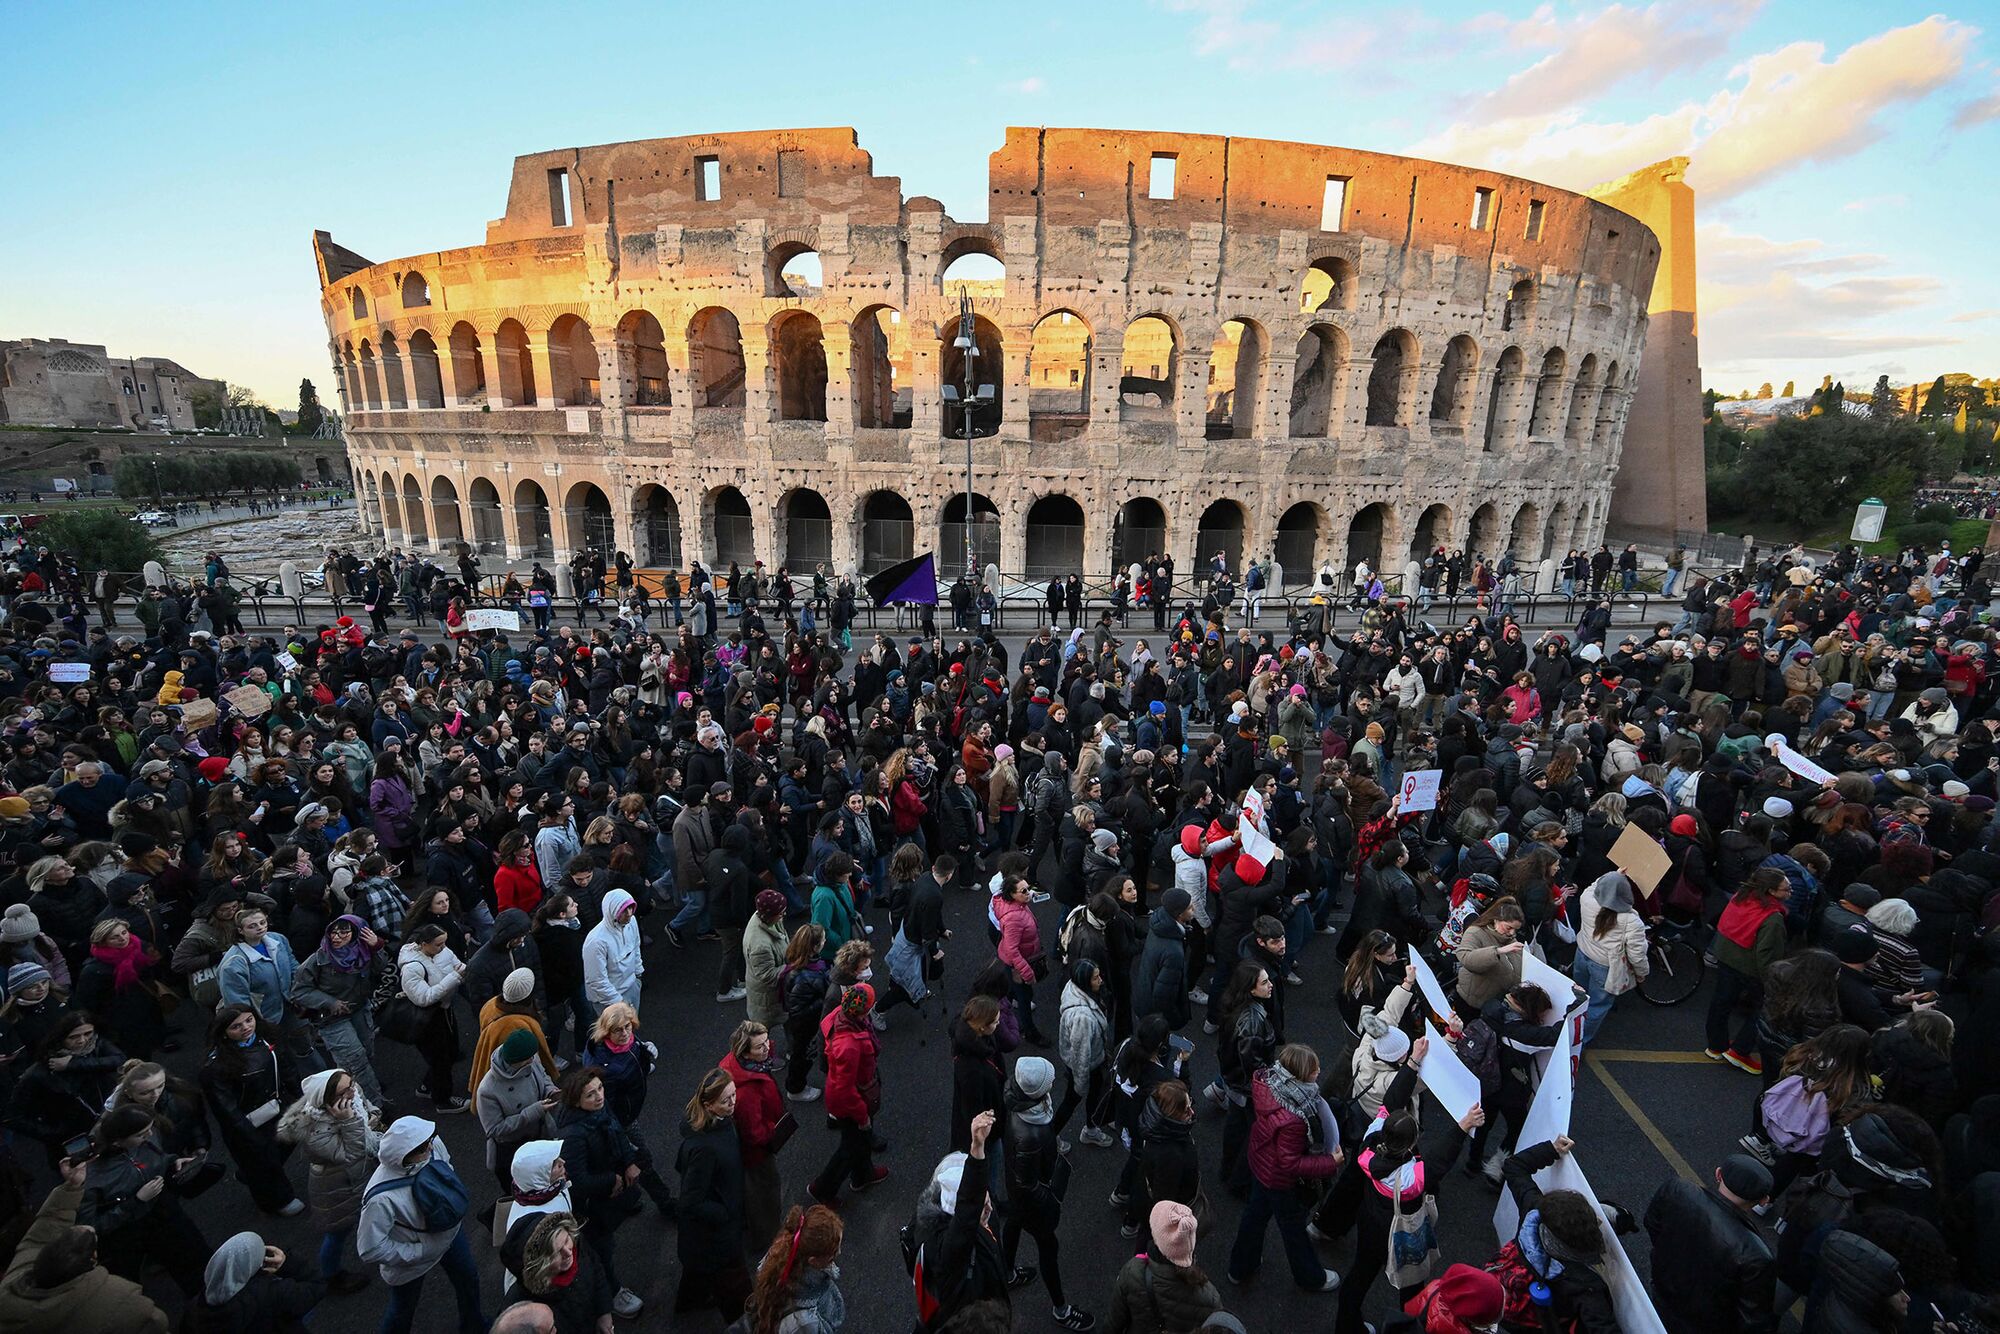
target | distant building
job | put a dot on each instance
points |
(54, 382)
(246, 421)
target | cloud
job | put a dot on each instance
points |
(1973, 316)
(1608, 49)
(1867, 202)
(1233, 31)
(1028, 87)
(1788, 107)
(1977, 113)
(1226, 26)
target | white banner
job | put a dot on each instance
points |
(492, 618)
(1447, 1077)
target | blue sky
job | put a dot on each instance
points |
(172, 161)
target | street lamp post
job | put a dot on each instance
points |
(972, 396)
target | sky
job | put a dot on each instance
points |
(170, 162)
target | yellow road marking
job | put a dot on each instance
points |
(1652, 1132)
(1655, 1057)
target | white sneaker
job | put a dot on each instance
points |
(1329, 1282)
(627, 1304)
(1216, 1094)
(1312, 1230)
(811, 1094)
(735, 993)
(1198, 997)
(880, 1023)
(1097, 1138)
(1209, 1026)
(293, 1210)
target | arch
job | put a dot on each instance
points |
(393, 392)
(951, 533)
(1148, 368)
(1139, 531)
(808, 529)
(468, 367)
(1236, 369)
(1485, 533)
(392, 510)
(1296, 545)
(573, 371)
(640, 331)
(1433, 531)
(534, 534)
(1392, 378)
(357, 303)
(1054, 537)
(732, 533)
(1545, 418)
(1607, 408)
(516, 366)
(414, 527)
(446, 521)
(879, 358)
(416, 291)
(888, 531)
(371, 383)
(1319, 383)
(715, 359)
(656, 527)
(1555, 542)
(1501, 400)
(1524, 538)
(1327, 285)
(1520, 307)
(1575, 427)
(793, 269)
(1364, 536)
(1220, 529)
(989, 367)
(798, 366)
(489, 529)
(587, 521)
(1059, 376)
(1451, 397)
(972, 264)
(426, 377)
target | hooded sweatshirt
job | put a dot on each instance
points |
(611, 963)
(392, 1233)
(233, 1265)
(534, 1192)
(509, 1100)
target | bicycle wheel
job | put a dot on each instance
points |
(1676, 972)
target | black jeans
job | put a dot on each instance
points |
(437, 1043)
(1047, 1250)
(799, 1032)
(1096, 1108)
(853, 1159)
(1731, 987)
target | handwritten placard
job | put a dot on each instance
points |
(1420, 790)
(69, 673)
(197, 713)
(248, 701)
(1643, 861)
(492, 618)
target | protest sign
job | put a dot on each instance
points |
(1255, 845)
(1644, 862)
(1548, 1114)
(492, 618)
(248, 701)
(1629, 1299)
(1428, 986)
(1454, 1086)
(197, 714)
(286, 662)
(1420, 791)
(69, 673)
(1802, 766)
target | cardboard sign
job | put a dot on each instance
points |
(69, 673)
(1447, 1077)
(197, 714)
(1803, 767)
(1420, 791)
(287, 662)
(1643, 861)
(492, 618)
(248, 701)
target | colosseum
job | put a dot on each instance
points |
(743, 347)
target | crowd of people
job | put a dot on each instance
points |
(242, 873)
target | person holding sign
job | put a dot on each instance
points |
(1611, 957)
(1560, 1245)
(1489, 955)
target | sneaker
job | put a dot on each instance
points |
(1216, 1093)
(674, 939)
(874, 1178)
(1759, 1148)
(1197, 997)
(1313, 1231)
(1493, 1169)
(1209, 1026)
(1022, 1276)
(1329, 930)
(1752, 1064)
(293, 1210)
(450, 1106)
(1328, 1281)
(627, 1304)
(1712, 1054)
(735, 993)
(1128, 1229)
(1069, 1317)
(709, 935)
(1293, 979)
(1119, 1199)
(1097, 1138)
(807, 1094)
(880, 1022)
(1062, 1145)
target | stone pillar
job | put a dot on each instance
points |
(503, 369)
(543, 360)
(760, 403)
(1014, 537)
(395, 389)
(680, 385)
(846, 544)
(1274, 412)
(837, 341)
(1354, 412)
(1107, 356)
(694, 532)
(617, 369)
(450, 376)
(1191, 394)
(1015, 383)
(926, 394)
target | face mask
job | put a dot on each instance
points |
(866, 973)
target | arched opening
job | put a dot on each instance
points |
(1327, 285)
(1520, 307)
(414, 527)
(951, 533)
(1556, 542)
(350, 378)
(1607, 408)
(732, 534)
(392, 512)
(1395, 366)
(416, 292)
(1139, 531)
(970, 266)
(489, 529)
(534, 534)
(798, 365)
(1451, 398)
(987, 369)
(393, 390)
(1524, 538)
(1485, 537)
(357, 303)
(445, 519)
(657, 526)
(808, 530)
(1319, 383)
(468, 367)
(880, 359)
(1055, 537)
(426, 379)
(793, 270)
(587, 516)
(1220, 530)
(1577, 427)
(641, 332)
(371, 384)
(1296, 548)
(1235, 380)
(1502, 398)
(888, 531)
(1059, 377)
(1147, 370)
(516, 367)
(1542, 422)
(715, 359)
(322, 469)
(1433, 531)
(573, 362)
(1364, 537)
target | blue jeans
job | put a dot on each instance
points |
(464, 1275)
(1248, 1252)
(783, 875)
(1672, 581)
(331, 1247)
(1593, 976)
(694, 908)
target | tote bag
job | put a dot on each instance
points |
(1414, 1259)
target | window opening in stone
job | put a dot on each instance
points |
(708, 178)
(1482, 208)
(1333, 204)
(1160, 183)
(1535, 207)
(558, 197)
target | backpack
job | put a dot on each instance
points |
(1795, 1117)
(1479, 1049)
(1519, 1310)
(1810, 1208)
(436, 1191)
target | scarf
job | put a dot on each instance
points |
(1293, 1094)
(355, 954)
(125, 963)
(770, 1067)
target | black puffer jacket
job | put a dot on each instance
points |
(710, 1232)
(1914, 1075)
(488, 968)
(1855, 1282)
(1711, 1268)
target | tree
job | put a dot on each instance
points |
(102, 539)
(1934, 401)
(1882, 403)
(1791, 390)
(207, 406)
(242, 396)
(1764, 389)
(311, 414)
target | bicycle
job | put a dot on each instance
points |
(1675, 966)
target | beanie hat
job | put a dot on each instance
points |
(1954, 789)
(520, 985)
(1173, 1228)
(1685, 826)
(858, 1000)
(1746, 1178)
(24, 975)
(1473, 1297)
(13, 808)
(20, 923)
(1854, 945)
(1777, 808)
(1175, 902)
(1393, 1045)
(1003, 751)
(770, 903)
(1373, 732)
(1034, 1076)
(213, 768)
(1248, 869)
(1102, 839)
(519, 1047)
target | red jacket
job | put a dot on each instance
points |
(852, 1090)
(1278, 1155)
(518, 887)
(906, 808)
(759, 1106)
(1020, 937)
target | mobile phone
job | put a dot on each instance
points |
(78, 1149)
(1180, 1044)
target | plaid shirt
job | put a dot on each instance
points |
(380, 903)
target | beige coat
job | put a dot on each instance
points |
(1484, 973)
(1373, 1075)
(1621, 951)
